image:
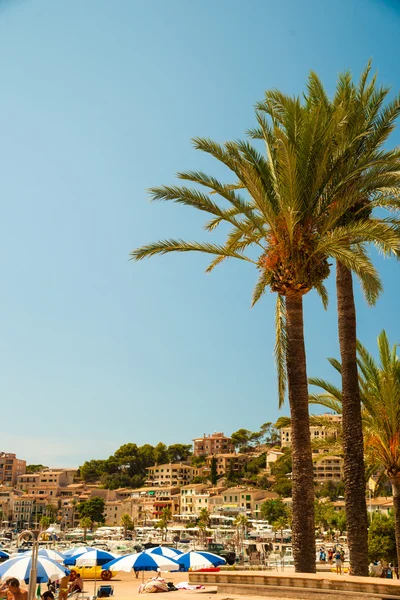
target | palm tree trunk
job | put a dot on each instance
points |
(353, 444)
(396, 505)
(303, 527)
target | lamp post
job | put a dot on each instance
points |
(33, 572)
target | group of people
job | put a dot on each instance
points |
(11, 590)
(334, 554)
(67, 586)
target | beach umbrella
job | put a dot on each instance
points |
(89, 558)
(48, 553)
(142, 561)
(164, 551)
(199, 560)
(92, 558)
(77, 550)
(20, 568)
(4, 554)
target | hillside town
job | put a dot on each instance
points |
(184, 487)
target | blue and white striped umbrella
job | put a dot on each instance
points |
(142, 561)
(199, 560)
(164, 551)
(4, 554)
(92, 558)
(77, 550)
(20, 568)
(48, 553)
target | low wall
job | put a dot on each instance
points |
(298, 585)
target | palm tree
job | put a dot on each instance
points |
(380, 398)
(85, 523)
(369, 172)
(279, 525)
(203, 522)
(241, 522)
(126, 523)
(166, 516)
(288, 219)
(44, 522)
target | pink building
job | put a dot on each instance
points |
(214, 443)
(10, 468)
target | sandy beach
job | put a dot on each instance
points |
(126, 588)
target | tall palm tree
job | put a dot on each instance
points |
(366, 172)
(369, 123)
(286, 221)
(380, 400)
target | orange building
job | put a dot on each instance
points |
(10, 468)
(214, 443)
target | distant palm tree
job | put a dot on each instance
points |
(289, 222)
(85, 523)
(126, 523)
(380, 398)
(241, 523)
(166, 516)
(279, 525)
(203, 522)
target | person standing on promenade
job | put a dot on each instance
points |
(338, 562)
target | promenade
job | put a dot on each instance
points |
(126, 586)
(305, 586)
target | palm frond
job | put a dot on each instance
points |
(323, 294)
(166, 246)
(261, 286)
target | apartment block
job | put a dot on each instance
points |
(151, 501)
(27, 510)
(187, 498)
(245, 501)
(214, 443)
(328, 468)
(114, 509)
(227, 462)
(170, 474)
(318, 432)
(10, 468)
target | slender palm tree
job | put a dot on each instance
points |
(371, 173)
(203, 522)
(380, 400)
(286, 224)
(85, 523)
(241, 523)
(126, 523)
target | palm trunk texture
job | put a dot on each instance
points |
(396, 505)
(303, 527)
(353, 445)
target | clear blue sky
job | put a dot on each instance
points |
(98, 102)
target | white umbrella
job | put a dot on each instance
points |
(20, 568)
(78, 550)
(199, 560)
(142, 561)
(164, 551)
(92, 558)
(48, 553)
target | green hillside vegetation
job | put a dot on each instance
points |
(127, 466)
